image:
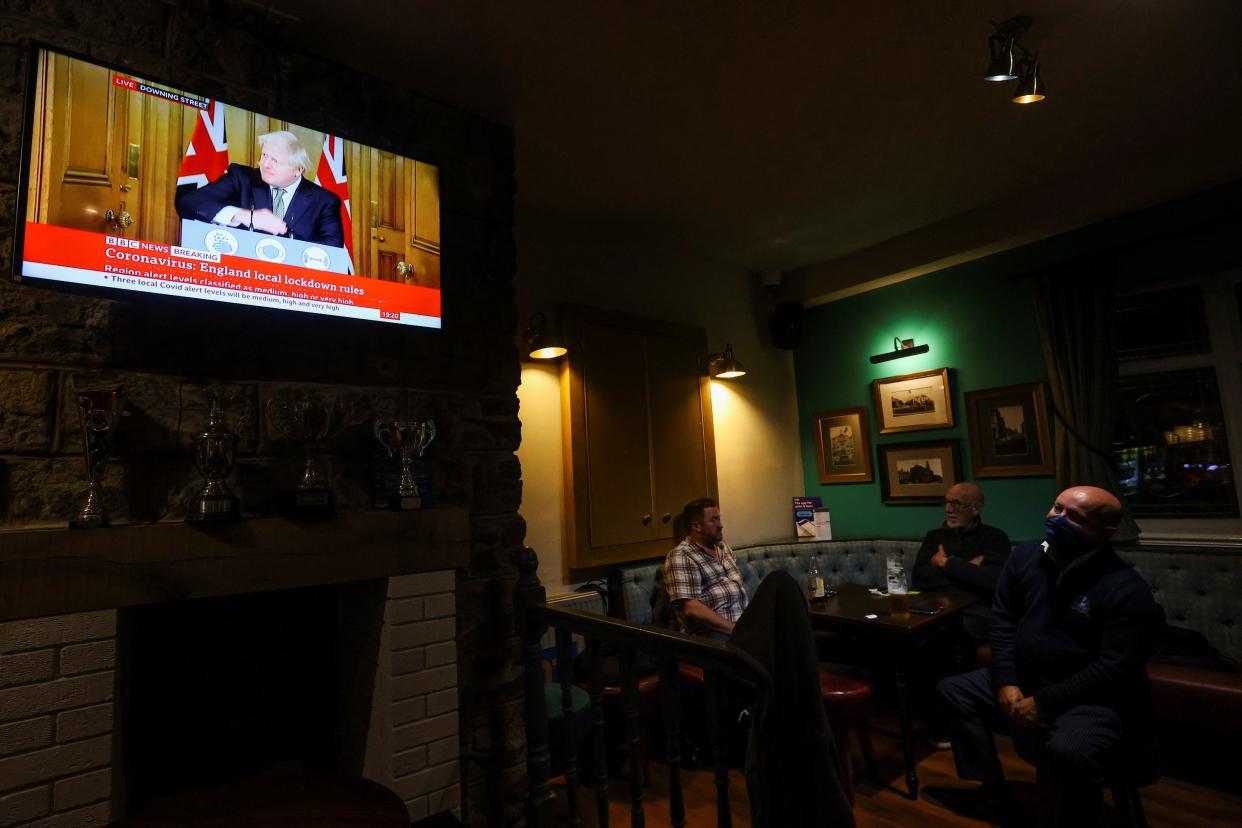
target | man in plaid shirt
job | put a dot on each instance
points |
(704, 586)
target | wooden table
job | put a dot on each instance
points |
(850, 611)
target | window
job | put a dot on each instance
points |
(1179, 351)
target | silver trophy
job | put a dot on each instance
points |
(410, 439)
(309, 422)
(100, 412)
(215, 451)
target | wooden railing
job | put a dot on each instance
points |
(722, 666)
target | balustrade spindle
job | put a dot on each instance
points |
(629, 695)
(595, 656)
(670, 710)
(716, 695)
(565, 669)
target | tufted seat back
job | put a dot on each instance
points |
(1199, 587)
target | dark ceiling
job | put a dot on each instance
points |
(786, 134)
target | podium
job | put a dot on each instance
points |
(251, 244)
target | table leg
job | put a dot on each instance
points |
(907, 735)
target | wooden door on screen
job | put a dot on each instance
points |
(403, 213)
(87, 149)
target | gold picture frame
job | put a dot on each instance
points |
(914, 402)
(843, 447)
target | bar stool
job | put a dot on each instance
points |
(848, 702)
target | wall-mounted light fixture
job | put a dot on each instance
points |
(541, 344)
(724, 365)
(901, 348)
(1009, 60)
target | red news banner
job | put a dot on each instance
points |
(194, 273)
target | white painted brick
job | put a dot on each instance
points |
(438, 606)
(444, 800)
(51, 696)
(62, 760)
(31, 734)
(86, 789)
(409, 761)
(23, 806)
(404, 610)
(420, 633)
(27, 668)
(424, 583)
(410, 710)
(443, 750)
(417, 808)
(441, 702)
(442, 653)
(37, 633)
(428, 730)
(426, 681)
(93, 816)
(88, 658)
(83, 722)
(408, 661)
(425, 782)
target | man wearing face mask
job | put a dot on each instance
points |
(1073, 626)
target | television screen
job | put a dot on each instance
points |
(134, 185)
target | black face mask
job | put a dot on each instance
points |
(1064, 539)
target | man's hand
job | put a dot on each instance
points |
(940, 558)
(1026, 713)
(263, 219)
(977, 560)
(1007, 698)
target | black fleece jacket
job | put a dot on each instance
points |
(1079, 634)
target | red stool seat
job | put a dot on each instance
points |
(847, 695)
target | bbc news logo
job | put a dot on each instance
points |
(121, 241)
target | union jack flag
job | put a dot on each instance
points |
(331, 176)
(207, 156)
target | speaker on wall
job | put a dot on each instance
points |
(786, 325)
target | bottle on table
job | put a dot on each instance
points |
(815, 581)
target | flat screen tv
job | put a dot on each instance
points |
(138, 186)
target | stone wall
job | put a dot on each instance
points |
(169, 357)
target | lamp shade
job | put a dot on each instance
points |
(1003, 64)
(1031, 86)
(726, 366)
(540, 343)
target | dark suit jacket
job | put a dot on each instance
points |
(314, 214)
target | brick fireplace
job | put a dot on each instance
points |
(398, 684)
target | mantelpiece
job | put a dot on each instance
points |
(51, 571)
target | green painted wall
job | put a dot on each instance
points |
(980, 321)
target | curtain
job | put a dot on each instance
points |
(1075, 305)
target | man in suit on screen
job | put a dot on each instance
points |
(272, 198)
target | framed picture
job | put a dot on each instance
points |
(919, 472)
(1009, 431)
(843, 450)
(913, 402)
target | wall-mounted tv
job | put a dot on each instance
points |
(134, 185)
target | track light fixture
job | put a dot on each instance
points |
(901, 348)
(1009, 60)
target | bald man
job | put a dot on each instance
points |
(964, 553)
(1073, 626)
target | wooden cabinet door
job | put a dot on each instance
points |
(678, 455)
(618, 445)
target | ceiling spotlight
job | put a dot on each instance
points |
(1002, 48)
(540, 343)
(1030, 85)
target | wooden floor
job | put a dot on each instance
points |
(1167, 803)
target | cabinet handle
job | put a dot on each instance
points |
(646, 519)
(667, 517)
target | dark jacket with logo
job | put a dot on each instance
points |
(1081, 634)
